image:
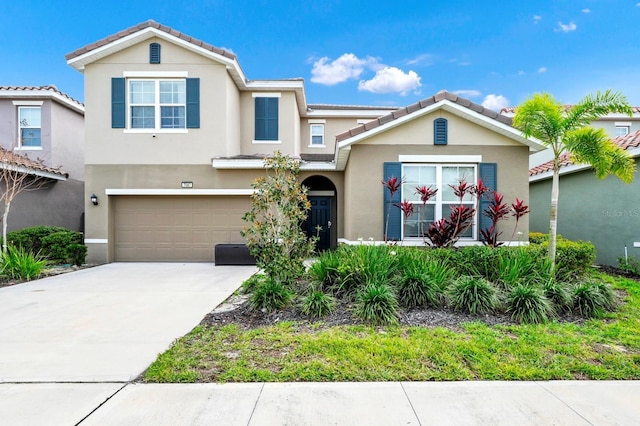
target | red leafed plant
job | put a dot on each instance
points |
(518, 209)
(496, 211)
(406, 207)
(393, 184)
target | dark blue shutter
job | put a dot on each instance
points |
(488, 172)
(266, 119)
(154, 53)
(440, 131)
(118, 103)
(395, 217)
(193, 103)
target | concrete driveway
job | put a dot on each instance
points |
(108, 323)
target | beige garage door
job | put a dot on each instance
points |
(178, 228)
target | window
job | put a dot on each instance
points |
(436, 176)
(317, 135)
(30, 126)
(622, 130)
(266, 116)
(157, 104)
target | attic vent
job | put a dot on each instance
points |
(154, 53)
(440, 131)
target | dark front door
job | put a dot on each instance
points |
(319, 222)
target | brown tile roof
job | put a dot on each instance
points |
(141, 26)
(628, 141)
(442, 95)
(333, 107)
(327, 158)
(47, 88)
(512, 109)
(33, 166)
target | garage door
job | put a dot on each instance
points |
(175, 228)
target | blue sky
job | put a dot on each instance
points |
(359, 52)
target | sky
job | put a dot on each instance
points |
(386, 53)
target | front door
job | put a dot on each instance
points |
(318, 224)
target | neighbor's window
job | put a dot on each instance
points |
(30, 126)
(622, 130)
(157, 104)
(317, 134)
(436, 176)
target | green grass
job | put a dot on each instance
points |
(604, 348)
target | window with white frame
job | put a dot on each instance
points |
(157, 104)
(30, 126)
(317, 134)
(436, 176)
(622, 130)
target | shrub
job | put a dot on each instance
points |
(18, 263)
(522, 264)
(414, 287)
(473, 295)
(271, 296)
(317, 304)
(528, 304)
(251, 283)
(539, 237)
(608, 295)
(558, 294)
(439, 272)
(478, 260)
(55, 246)
(588, 300)
(30, 238)
(629, 264)
(77, 254)
(377, 304)
(574, 258)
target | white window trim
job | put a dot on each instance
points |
(157, 106)
(311, 144)
(266, 95)
(316, 121)
(438, 202)
(151, 75)
(623, 124)
(29, 104)
(440, 159)
(257, 142)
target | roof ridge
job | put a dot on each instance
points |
(13, 158)
(47, 87)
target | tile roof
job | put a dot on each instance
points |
(48, 88)
(512, 109)
(628, 141)
(401, 112)
(141, 26)
(349, 107)
(33, 166)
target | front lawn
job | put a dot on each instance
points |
(603, 348)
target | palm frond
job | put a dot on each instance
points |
(540, 116)
(595, 106)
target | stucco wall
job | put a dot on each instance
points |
(603, 211)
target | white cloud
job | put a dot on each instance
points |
(542, 70)
(469, 93)
(495, 102)
(424, 59)
(521, 72)
(536, 18)
(586, 10)
(391, 80)
(348, 66)
(566, 28)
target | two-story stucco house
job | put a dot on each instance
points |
(47, 127)
(176, 133)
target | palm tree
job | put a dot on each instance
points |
(567, 129)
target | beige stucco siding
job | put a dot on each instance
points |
(332, 126)
(67, 149)
(233, 119)
(192, 146)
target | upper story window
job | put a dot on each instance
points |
(29, 126)
(266, 117)
(436, 176)
(317, 134)
(622, 130)
(157, 104)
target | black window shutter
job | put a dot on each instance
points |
(118, 102)
(272, 119)
(440, 131)
(488, 172)
(154, 53)
(193, 103)
(394, 231)
(266, 119)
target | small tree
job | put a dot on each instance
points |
(17, 174)
(279, 206)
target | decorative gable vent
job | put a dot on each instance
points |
(154, 53)
(440, 131)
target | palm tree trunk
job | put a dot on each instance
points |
(553, 214)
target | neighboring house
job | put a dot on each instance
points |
(603, 211)
(46, 126)
(176, 134)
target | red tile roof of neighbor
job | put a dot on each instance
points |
(12, 158)
(141, 26)
(47, 88)
(401, 112)
(512, 109)
(628, 141)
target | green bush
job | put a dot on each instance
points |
(558, 294)
(528, 304)
(30, 238)
(56, 244)
(414, 287)
(478, 261)
(77, 254)
(18, 263)
(317, 304)
(539, 237)
(271, 296)
(473, 295)
(250, 284)
(377, 304)
(574, 258)
(629, 264)
(588, 300)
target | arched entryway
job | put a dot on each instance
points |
(322, 219)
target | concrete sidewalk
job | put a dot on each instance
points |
(392, 403)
